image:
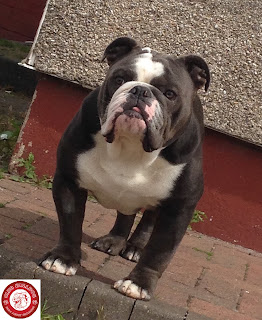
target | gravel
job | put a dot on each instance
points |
(226, 33)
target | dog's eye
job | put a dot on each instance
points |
(119, 81)
(170, 94)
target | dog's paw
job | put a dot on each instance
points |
(59, 260)
(57, 266)
(109, 244)
(131, 253)
(130, 289)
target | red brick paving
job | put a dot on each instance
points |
(207, 275)
(251, 303)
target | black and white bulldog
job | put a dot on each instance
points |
(135, 143)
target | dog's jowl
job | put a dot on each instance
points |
(135, 144)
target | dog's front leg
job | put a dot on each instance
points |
(70, 205)
(115, 240)
(169, 229)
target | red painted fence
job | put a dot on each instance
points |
(19, 19)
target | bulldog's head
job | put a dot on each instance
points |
(148, 95)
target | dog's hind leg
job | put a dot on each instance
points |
(115, 240)
(140, 237)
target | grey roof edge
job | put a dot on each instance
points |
(30, 59)
(31, 67)
(241, 139)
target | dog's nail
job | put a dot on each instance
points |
(130, 256)
(118, 284)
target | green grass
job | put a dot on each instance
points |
(208, 253)
(2, 205)
(13, 50)
(91, 199)
(2, 173)
(46, 316)
(101, 314)
(27, 226)
(28, 173)
(9, 131)
(198, 216)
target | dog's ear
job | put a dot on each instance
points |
(118, 49)
(198, 70)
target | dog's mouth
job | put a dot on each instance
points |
(135, 112)
(132, 119)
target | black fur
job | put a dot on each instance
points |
(161, 228)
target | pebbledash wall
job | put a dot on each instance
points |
(69, 61)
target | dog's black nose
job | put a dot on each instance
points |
(139, 91)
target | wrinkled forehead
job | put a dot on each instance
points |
(146, 65)
(142, 65)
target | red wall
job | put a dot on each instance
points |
(233, 169)
(233, 191)
(19, 19)
(53, 106)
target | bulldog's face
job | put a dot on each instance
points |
(147, 95)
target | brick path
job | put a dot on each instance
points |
(207, 276)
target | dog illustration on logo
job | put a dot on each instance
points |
(20, 300)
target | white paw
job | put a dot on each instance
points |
(58, 267)
(130, 289)
(133, 256)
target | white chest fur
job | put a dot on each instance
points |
(124, 177)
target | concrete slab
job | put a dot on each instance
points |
(61, 293)
(8, 263)
(195, 316)
(102, 302)
(157, 310)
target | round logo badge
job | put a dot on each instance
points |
(20, 299)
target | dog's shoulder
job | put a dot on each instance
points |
(88, 118)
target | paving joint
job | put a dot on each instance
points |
(133, 307)
(99, 218)
(189, 300)
(246, 271)
(212, 250)
(186, 314)
(101, 266)
(75, 316)
(201, 276)
(240, 296)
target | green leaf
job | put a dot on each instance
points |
(6, 135)
(15, 178)
(31, 157)
(30, 174)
